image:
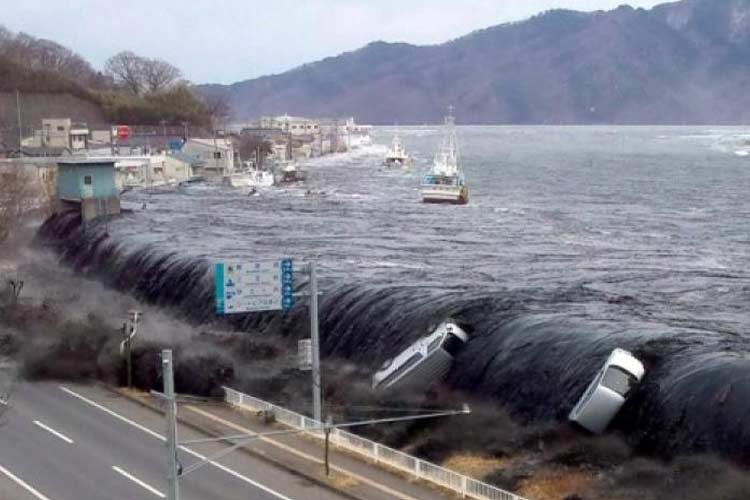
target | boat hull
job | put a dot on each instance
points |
(458, 196)
(397, 162)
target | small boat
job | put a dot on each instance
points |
(427, 360)
(397, 156)
(289, 172)
(446, 183)
(249, 178)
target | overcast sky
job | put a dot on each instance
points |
(224, 41)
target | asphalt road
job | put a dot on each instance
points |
(73, 442)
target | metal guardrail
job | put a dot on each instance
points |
(463, 485)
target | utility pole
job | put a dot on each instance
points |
(317, 399)
(20, 130)
(126, 346)
(173, 492)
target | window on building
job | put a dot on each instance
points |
(217, 155)
(60, 128)
(87, 180)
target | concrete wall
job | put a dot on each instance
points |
(91, 208)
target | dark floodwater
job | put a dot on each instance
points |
(576, 240)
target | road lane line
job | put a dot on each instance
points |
(22, 483)
(116, 415)
(139, 482)
(53, 432)
(301, 454)
(183, 448)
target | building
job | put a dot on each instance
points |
(180, 166)
(89, 185)
(216, 156)
(79, 137)
(57, 134)
(294, 125)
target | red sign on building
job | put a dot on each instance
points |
(123, 132)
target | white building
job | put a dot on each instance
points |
(295, 125)
(60, 133)
(217, 155)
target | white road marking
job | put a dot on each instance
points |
(139, 482)
(22, 484)
(183, 448)
(53, 432)
(294, 451)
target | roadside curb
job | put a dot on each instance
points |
(277, 463)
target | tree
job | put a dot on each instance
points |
(141, 75)
(44, 55)
(250, 145)
(218, 108)
(128, 70)
(159, 75)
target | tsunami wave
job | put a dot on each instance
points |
(533, 351)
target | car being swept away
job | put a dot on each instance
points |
(608, 391)
(424, 362)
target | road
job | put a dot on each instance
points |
(75, 442)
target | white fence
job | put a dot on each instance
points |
(464, 485)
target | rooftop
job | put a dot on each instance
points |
(86, 161)
(213, 143)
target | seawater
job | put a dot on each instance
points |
(576, 240)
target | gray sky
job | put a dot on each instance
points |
(224, 41)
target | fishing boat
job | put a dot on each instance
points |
(397, 155)
(288, 172)
(445, 183)
(250, 177)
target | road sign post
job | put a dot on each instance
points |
(315, 344)
(171, 414)
(243, 287)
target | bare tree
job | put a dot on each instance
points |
(252, 145)
(217, 106)
(128, 70)
(5, 34)
(40, 54)
(159, 75)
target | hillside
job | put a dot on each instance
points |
(679, 63)
(56, 82)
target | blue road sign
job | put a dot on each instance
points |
(254, 286)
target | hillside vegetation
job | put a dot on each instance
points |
(678, 63)
(42, 67)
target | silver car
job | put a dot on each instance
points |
(427, 360)
(608, 391)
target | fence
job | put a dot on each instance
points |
(464, 485)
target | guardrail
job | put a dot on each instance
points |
(463, 485)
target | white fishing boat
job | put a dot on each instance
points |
(424, 362)
(250, 178)
(288, 172)
(397, 155)
(445, 183)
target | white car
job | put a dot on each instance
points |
(608, 391)
(424, 362)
